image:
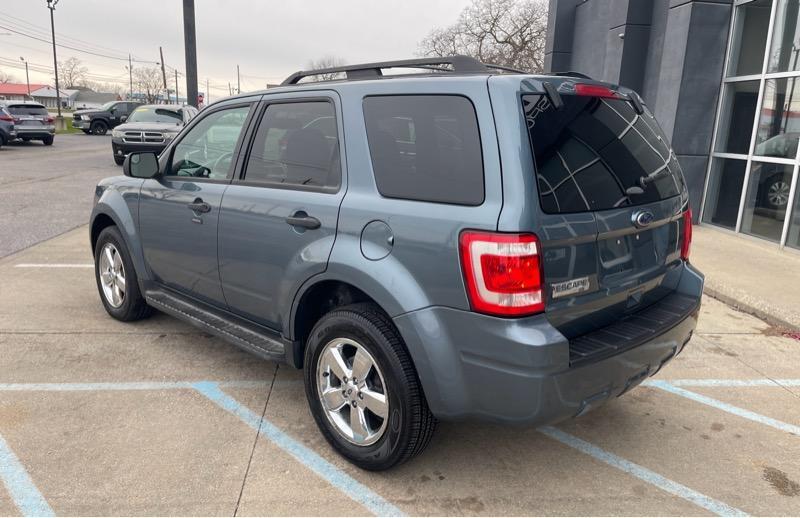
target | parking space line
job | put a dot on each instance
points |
(52, 265)
(19, 485)
(335, 476)
(642, 473)
(767, 382)
(725, 407)
(132, 385)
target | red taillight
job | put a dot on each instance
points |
(7, 118)
(51, 120)
(595, 91)
(503, 272)
(686, 244)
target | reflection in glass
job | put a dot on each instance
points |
(766, 201)
(724, 192)
(779, 119)
(749, 38)
(783, 54)
(736, 118)
(793, 239)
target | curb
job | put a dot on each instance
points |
(782, 325)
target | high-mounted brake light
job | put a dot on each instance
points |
(596, 91)
(503, 273)
(686, 243)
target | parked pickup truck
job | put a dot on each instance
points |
(108, 116)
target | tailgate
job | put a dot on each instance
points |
(612, 198)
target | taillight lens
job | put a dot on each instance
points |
(503, 273)
(7, 118)
(686, 244)
(595, 91)
(51, 119)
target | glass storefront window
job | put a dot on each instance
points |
(724, 192)
(779, 119)
(736, 118)
(793, 239)
(767, 199)
(785, 49)
(749, 38)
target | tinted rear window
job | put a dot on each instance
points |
(592, 150)
(27, 109)
(425, 148)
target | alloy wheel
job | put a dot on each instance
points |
(778, 193)
(112, 275)
(352, 391)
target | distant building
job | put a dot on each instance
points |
(46, 95)
(89, 99)
(17, 91)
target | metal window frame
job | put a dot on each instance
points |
(750, 157)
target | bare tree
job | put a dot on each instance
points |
(148, 82)
(72, 73)
(509, 33)
(325, 62)
(5, 77)
(98, 86)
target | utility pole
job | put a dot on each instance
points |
(238, 81)
(163, 72)
(176, 87)
(27, 78)
(51, 4)
(130, 77)
(190, 51)
(230, 92)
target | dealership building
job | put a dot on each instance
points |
(721, 76)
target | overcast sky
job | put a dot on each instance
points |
(268, 39)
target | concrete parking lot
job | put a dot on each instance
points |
(156, 418)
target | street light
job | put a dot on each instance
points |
(51, 4)
(27, 77)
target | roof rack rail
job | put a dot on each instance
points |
(459, 64)
(571, 73)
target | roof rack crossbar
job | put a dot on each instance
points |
(459, 64)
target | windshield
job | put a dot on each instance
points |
(153, 114)
(598, 153)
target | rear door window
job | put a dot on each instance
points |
(597, 154)
(425, 148)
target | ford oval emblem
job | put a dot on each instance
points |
(642, 218)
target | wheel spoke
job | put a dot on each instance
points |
(106, 278)
(361, 365)
(108, 255)
(121, 279)
(116, 295)
(358, 423)
(375, 402)
(333, 399)
(334, 360)
(117, 261)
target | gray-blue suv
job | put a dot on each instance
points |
(461, 241)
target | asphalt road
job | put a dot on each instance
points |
(47, 190)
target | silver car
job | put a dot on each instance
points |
(32, 121)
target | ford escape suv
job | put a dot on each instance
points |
(458, 242)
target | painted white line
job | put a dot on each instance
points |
(308, 457)
(642, 473)
(52, 265)
(729, 382)
(19, 485)
(725, 407)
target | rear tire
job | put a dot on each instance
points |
(88, 132)
(408, 424)
(121, 299)
(48, 141)
(99, 128)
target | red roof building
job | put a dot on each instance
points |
(17, 91)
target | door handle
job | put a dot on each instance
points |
(198, 205)
(301, 219)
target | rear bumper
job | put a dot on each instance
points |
(518, 370)
(40, 132)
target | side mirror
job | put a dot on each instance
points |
(141, 165)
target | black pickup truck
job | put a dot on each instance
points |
(107, 117)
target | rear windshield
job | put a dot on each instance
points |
(151, 114)
(27, 109)
(597, 154)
